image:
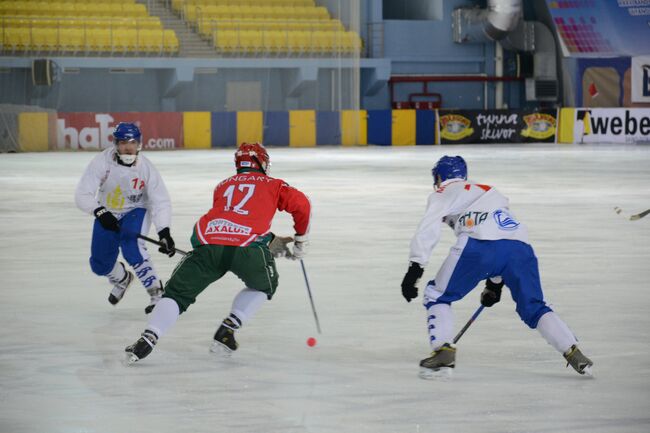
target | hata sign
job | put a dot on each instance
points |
(94, 131)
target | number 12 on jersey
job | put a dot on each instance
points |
(249, 189)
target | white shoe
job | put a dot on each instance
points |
(119, 288)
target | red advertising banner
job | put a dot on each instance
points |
(86, 131)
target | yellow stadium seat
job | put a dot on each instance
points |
(204, 27)
(11, 21)
(52, 42)
(323, 40)
(40, 39)
(294, 42)
(149, 23)
(322, 13)
(234, 11)
(170, 41)
(101, 10)
(145, 41)
(337, 42)
(67, 9)
(18, 38)
(124, 40)
(355, 43)
(117, 10)
(83, 10)
(137, 9)
(98, 40)
(246, 41)
(71, 39)
(228, 40)
(275, 41)
(190, 13)
(207, 11)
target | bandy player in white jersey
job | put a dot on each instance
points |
(125, 192)
(491, 245)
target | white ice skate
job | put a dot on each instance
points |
(119, 287)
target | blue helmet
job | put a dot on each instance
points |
(126, 131)
(449, 167)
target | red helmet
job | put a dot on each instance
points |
(252, 155)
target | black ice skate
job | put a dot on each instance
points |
(141, 348)
(224, 339)
(119, 287)
(156, 294)
(440, 363)
(578, 361)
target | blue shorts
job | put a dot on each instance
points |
(106, 244)
(467, 265)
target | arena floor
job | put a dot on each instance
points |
(61, 343)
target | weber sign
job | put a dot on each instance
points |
(612, 125)
(641, 79)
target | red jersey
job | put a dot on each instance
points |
(243, 208)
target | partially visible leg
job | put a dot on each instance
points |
(465, 266)
(103, 261)
(136, 254)
(255, 266)
(556, 332)
(244, 306)
(121, 280)
(522, 277)
(199, 268)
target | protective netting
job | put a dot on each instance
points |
(265, 55)
(9, 125)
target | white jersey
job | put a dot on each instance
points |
(478, 211)
(121, 189)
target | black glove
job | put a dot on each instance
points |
(107, 219)
(491, 294)
(409, 291)
(168, 244)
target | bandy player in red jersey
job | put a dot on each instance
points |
(233, 236)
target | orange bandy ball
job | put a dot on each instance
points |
(311, 342)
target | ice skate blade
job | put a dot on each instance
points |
(587, 372)
(130, 359)
(442, 373)
(219, 350)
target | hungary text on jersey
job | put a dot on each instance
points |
(243, 208)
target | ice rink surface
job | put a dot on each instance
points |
(61, 343)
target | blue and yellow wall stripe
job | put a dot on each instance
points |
(276, 128)
(250, 127)
(197, 130)
(293, 128)
(328, 127)
(354, 127)
(401, 127)
(224, 129)
(34, 132)
(302, 128)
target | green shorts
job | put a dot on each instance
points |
(253, 264)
